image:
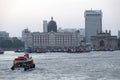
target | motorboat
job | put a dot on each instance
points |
(23, 62)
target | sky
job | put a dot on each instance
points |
(16, 15)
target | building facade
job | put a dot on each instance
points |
(52, 39)
(104, 41)
(27, 38)
(93, 23)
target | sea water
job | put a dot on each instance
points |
(102, 65)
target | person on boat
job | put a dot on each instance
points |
(26, 55)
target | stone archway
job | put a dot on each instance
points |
(102, 43)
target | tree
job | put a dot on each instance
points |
(5, 43)
(16, 43)
(11, 43)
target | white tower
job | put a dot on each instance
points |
(45, 26)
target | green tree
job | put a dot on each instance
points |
(5, 43)
(11, 43)
(16, 43)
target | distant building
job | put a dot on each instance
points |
(104, 40)
(60, 29)
(119, 34)
(45, 26)
(93, 23)
(52, 39)
(4, 34)
(52, 26)
(82, 31)
(24, 33)
(27, 38)
(67, 30)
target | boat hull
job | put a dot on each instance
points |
(25, 68)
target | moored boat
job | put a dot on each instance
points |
(19, 50)
(1, 51)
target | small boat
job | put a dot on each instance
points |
(19, 50)
(23, 62)
(1, 51)
(74, 51)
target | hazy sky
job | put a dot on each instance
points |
(16, 15)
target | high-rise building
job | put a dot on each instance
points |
(93, 23)
(45, 26)
(52, 26)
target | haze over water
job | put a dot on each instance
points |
(16, 15)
